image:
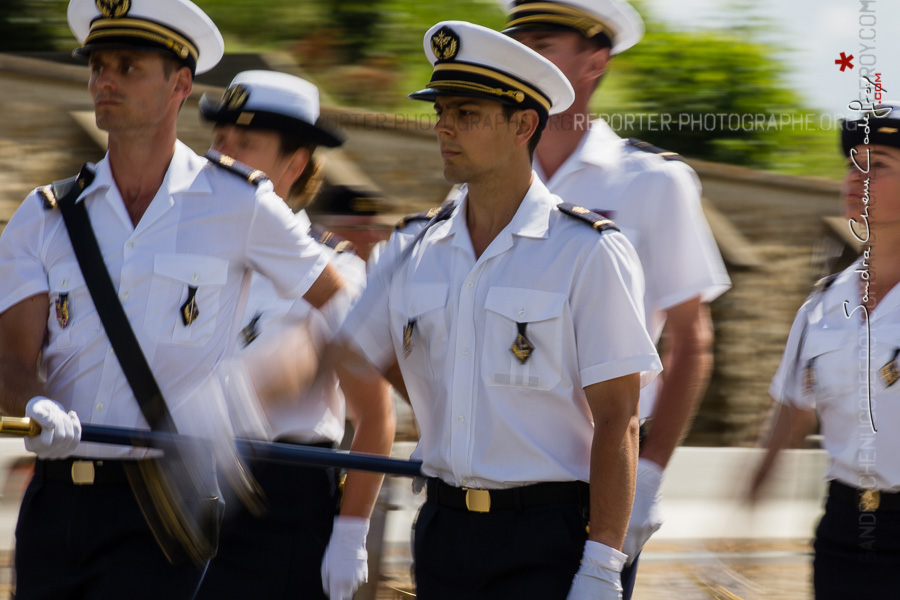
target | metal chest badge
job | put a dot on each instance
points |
(251, 331)
(62, 310)
(890, 372)
(407, 337)
(189, 310)
(522, 347)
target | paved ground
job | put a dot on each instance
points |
(730, 570)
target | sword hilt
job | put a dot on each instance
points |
(22, 426)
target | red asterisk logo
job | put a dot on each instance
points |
(844, 61)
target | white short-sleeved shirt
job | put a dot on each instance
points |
(204, 230)
(319, 415)
(485, 419)
(835, 371)
(656, 205)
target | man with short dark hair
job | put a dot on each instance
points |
(299, 548)
(178, 235)
(512, 320)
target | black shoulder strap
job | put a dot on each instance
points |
(648, 147)
(595, 220)
(247, 173)
(115, 321)
(331, 239)
(427, 215)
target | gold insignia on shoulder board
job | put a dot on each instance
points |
(445, 44)
(580, 210)
(113, 9)
(235, 97)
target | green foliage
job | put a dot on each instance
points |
(707, 81)
(724, 95)
(369, 53)
(33, 25)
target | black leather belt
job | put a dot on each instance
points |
(863, 499)
(83, 471)
(538, 494)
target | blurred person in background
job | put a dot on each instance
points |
(269, 120)
(840, 364)
(654, 198)
(362, 216)
(523, 373)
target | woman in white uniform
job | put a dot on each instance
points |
(269, 121)
(841, 365)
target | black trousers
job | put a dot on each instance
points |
(857, 554)
(514, 554)
(91, 542)
(278, 555)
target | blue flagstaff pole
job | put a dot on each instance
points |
(250, 449)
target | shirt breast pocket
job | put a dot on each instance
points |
(183, 305)
(826, 369)
(536, 316)
(73, 317)
(419, 316)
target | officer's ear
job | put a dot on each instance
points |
(597, 62)
(526, 126)
(184, 83)
(297, 163)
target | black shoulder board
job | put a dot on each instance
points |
(646, 147)
(51, 194)
(597, 221)
(441, 213)
(331, 239)
(822, 285)
(249, 174)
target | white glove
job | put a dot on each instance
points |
(60, 430)
(646, 516)
(599, 576)
(345, 565)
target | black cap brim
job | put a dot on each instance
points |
(883, 132)
(318, 133)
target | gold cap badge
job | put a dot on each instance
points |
(445, 44)
(235, 97)
(113, 9)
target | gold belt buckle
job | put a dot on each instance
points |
(478, 500)
(869, 500)
(83, 472)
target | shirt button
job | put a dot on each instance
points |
(110, 351)
(64, 282)
(124, 295)
(99, 406)
(130, 244)
(469, 284)
(522, 312)
(461, 419)
(195, 278)
(465, 352)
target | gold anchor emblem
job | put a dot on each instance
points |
(445, 44)
(113, 9)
